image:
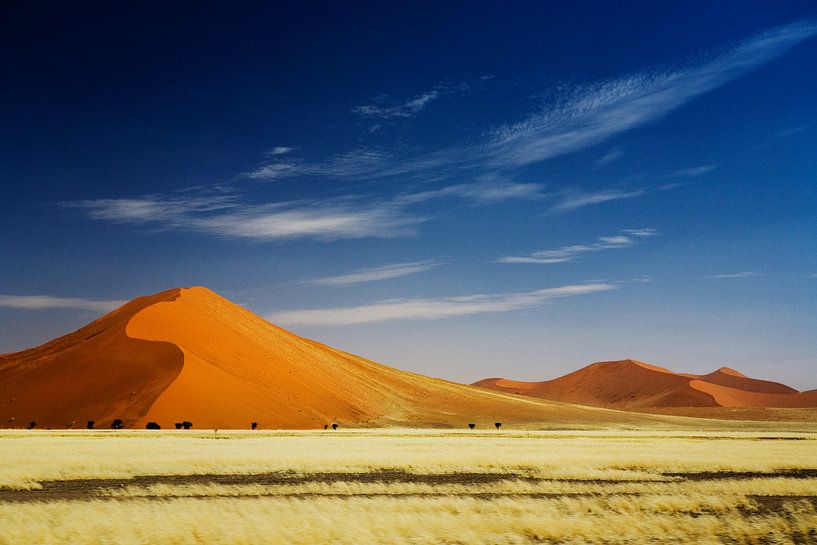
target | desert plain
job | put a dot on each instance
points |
(410, 486)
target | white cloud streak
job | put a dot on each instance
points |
(484, 192)
(432, 309)
(406, 109)
(361, 163)
(570, 253)
(280, 150)
(574, 199)
(591, 114)
(694, 171)
(375, 274)
(340, 218)
(608, 158)
(742, 274)
(48, 302)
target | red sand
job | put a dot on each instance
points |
(635, 385)
(189, 354)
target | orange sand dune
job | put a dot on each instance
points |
(733, 379)
(635, 385)
(625, 384)
(189, 354)
(734, 397)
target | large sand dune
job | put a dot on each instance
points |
(190, 354)
(635, 385)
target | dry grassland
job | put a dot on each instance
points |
(407, 486)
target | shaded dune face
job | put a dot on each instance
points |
(635, 385)
(96, 373)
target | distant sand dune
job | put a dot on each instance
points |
(635, 385)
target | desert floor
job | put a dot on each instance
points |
(408, 486)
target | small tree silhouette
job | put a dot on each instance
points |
(472, 426)
(187, 424)
(89, 425)
(31, 425)
(334, 426)
(178, 425)
(498, 424)
(254, 425)
(152, 426)
(117, 424)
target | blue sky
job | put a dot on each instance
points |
(463, 190)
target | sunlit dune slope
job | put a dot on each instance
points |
(190, 354)
(635, 385)
(240, 368)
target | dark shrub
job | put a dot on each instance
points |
(117, 424)
(472, 426)
(498, 424)
(178, 425)
(153, 426)
(90, 425)
(334, 426)
(254, 425)
(187, 424)
(31, 425)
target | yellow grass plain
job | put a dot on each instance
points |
(407, 486)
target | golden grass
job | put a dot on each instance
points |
(409, 486)
(769, 486)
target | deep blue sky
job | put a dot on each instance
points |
(463, 190)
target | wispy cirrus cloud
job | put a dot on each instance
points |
(379, 108)
(280, 150)
(783, 133)
(409, 108)
(609, 157)
(571, 253)
(583, 116)
(590, 114)
(742, 274)
(347, 217)
(375, 274)
(48, 302)
(572, 199)
(432, 309)
(489, 190)
(161, 210)
(692, 171)
(363, 163)
(343, 218)
(579, 117)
